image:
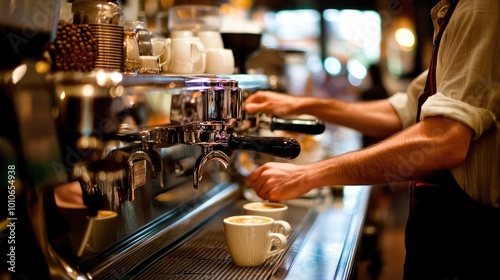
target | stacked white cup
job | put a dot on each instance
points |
(195, 45)
(183, 53)
(187, 53)
(218, 59)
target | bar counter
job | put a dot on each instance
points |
(329, 250)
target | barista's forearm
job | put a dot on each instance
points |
(433, 144)
(374, 118)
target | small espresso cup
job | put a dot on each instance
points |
(219, 61)
(273, 210)
(104, 231)
(251, 240)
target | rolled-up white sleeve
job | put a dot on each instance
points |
(477, 118)
(398, 102)
(406, 104)
(468, 68)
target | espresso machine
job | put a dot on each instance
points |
(140, 147)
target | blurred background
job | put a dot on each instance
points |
(331, 38)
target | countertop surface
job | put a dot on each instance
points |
(328, 250)
(323, 243)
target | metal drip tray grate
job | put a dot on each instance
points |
(205, 255)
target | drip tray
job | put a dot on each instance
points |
(204, 255)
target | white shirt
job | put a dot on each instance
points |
(468, 91)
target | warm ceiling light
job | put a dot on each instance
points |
(405, 38)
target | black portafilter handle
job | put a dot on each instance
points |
(312, 127)
(283, 147)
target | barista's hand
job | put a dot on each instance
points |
(279, 181)
(272, 103)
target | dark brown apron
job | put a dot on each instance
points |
(448, 234)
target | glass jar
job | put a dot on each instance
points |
(194, 18)
(131, 63)
(97, 12)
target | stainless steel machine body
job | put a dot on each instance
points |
(135, 146)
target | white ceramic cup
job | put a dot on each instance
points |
(219, 61)
(104, 232)
(211, 39)
(187, 56)
(200, 66)
(273, 210)
(161, 49)
(251, 239)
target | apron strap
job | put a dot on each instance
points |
(430, 85)
(429, 90)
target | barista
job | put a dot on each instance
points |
(451, 150)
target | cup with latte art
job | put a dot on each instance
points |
(252, 239)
